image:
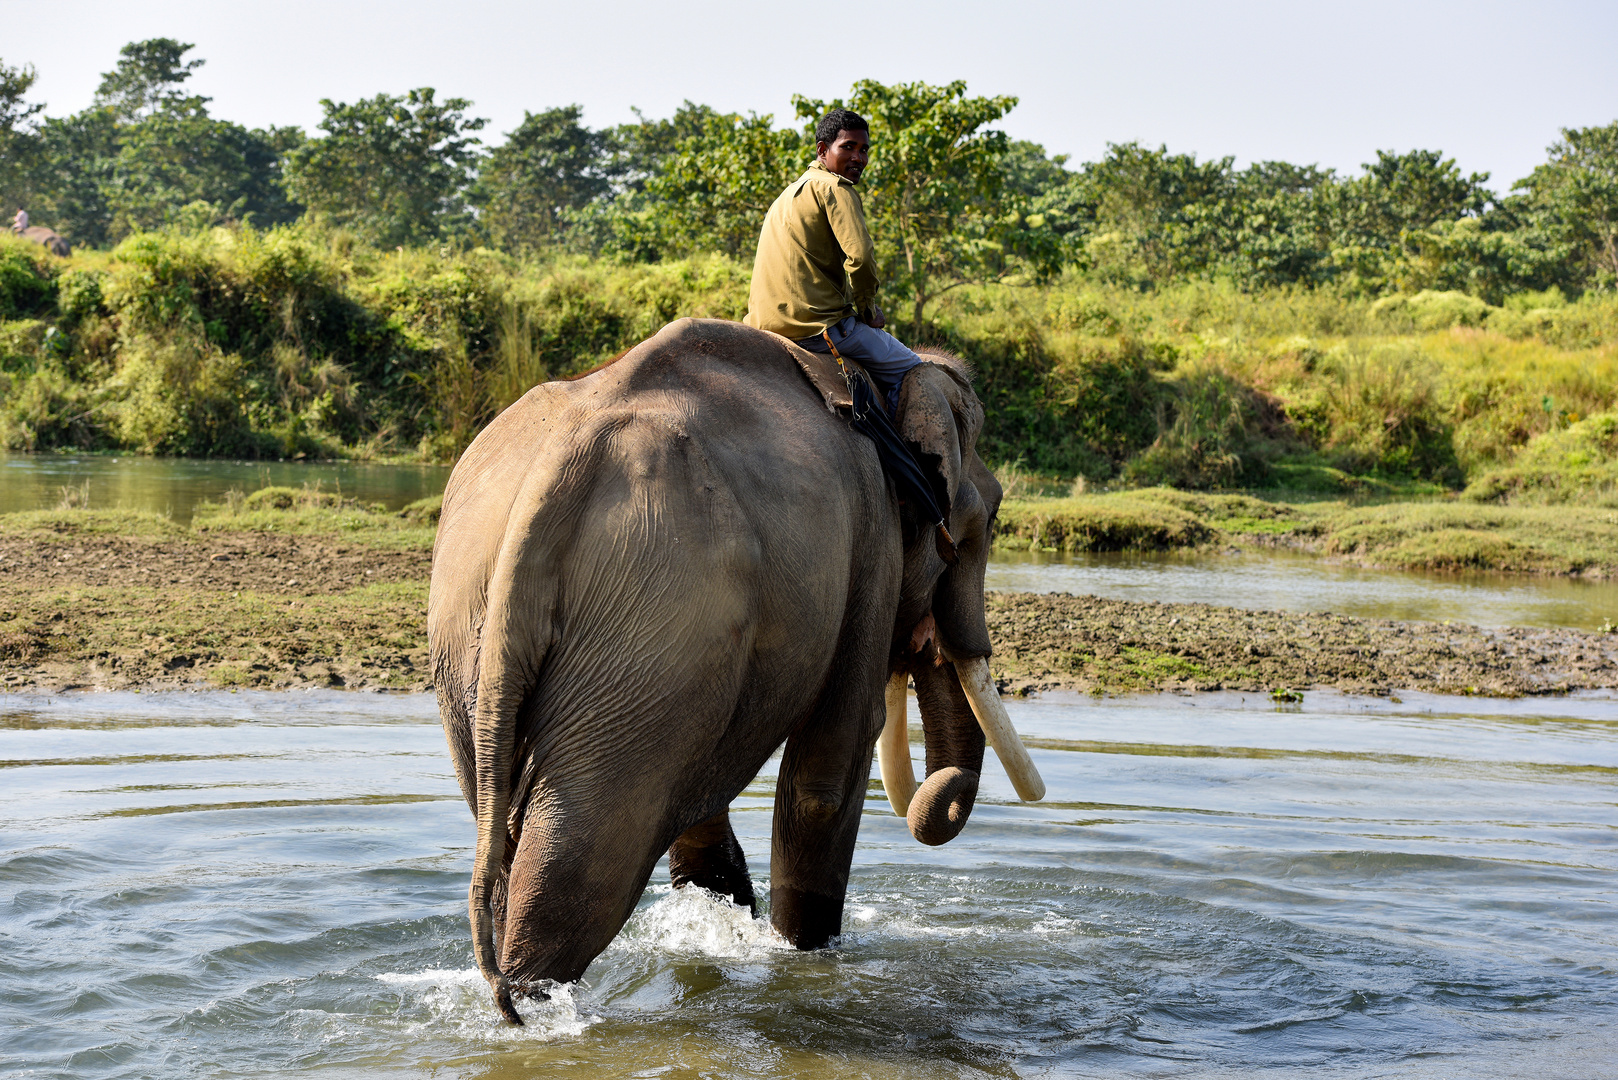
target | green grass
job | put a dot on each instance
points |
(68, 524)
(1434, 535)
(1460, 536)
(312, 512)
(1123, 522)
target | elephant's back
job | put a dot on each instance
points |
(705, 422)
(731, 392)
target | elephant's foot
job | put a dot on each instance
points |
(708, 856)
(808, 920)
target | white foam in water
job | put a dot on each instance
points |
(460, 1000)
(692, 920)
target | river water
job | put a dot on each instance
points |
(214, 884)
(174, 486)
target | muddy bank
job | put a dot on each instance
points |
(265, 562)
(272, 611)
(223, 610)
(1054, 641)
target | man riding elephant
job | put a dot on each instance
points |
(814, 277)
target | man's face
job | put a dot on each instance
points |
(847, 155)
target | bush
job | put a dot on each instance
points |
(1578, 463)
(1430, 310)
(1209, 435)
(1380, 413)
(47, 409)
(181, 397)
(1098, 523)
(78, 294)
(27, 278)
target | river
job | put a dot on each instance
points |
(216, 884)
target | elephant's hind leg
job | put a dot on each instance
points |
(708, 856)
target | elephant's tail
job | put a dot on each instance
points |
(516, 635)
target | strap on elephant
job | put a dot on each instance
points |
(871, 420)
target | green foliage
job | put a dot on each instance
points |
(146, 154)
(71, 173)
(712, 191)
(1578, 463)
(181, 397)
(147, 77)
(19, 143)
(180, 160)
(1432, 310)
(394, 169)
(1576, 195)
(26, 278)
(550, 165)
(1209, 435)
(46, 408)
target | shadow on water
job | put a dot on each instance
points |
(210, 884)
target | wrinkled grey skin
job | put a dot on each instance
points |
(646, 580)
(54, 242)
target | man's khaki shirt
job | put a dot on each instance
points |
(815, 265)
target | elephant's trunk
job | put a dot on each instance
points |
(979, 688)
(944, 801)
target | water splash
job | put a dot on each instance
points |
(457, 1001)
(691, 920)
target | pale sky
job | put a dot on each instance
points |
(1489, 83)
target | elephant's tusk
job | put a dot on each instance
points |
(893, 750)
(991, 714)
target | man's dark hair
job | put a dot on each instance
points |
(839, 120)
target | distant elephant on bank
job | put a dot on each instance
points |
(54, 242)
(648, 578)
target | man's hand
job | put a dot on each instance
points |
(873, 318)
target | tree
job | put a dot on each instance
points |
(181, 159)
(1156, 215)
(1369, 217)
(1575, 195)
(147, 78)
(936, 193)
(713, 190)
(72, 174)
(642, 147)
(551, 164)
(19, 141)
(394, 169)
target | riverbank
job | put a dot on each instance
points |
(335, 595)
(1433, 535)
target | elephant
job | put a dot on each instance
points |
(54, 242)
(647, 579)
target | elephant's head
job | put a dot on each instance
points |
(942, 635)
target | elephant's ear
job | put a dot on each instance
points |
(940, 417)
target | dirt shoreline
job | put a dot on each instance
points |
(275, 611)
